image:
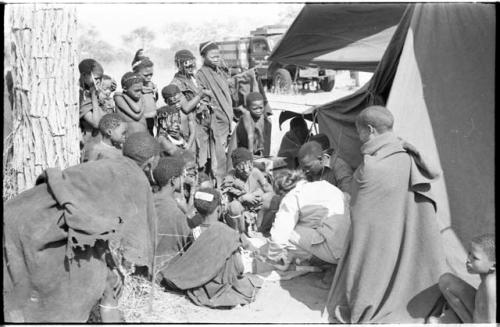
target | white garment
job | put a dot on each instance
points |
(314, 218)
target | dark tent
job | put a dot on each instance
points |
(437, 77)
(339, 36)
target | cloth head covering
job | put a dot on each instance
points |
(168, 168)
(170, 91)
(254, 96)
(130, 79)
(207, 46)
(86, 66)
(206, 200)
(142, 63)
(140, 147)
(241, 155)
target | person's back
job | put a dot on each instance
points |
(390, 210)
(174, 234)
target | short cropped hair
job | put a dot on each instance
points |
(129, 79)
(86, 66)
(141, 147)
(377, 116)
(310, 149)
(167, 168)
(487, 243)
(110, 122)
(206, 200)
(322, 139)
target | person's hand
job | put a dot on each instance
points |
(113, 85)
(207, 92)
(409, 147)
(251, 198)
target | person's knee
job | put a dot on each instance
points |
(235, 209)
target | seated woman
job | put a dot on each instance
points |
(211, 271)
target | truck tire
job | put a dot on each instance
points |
(327, 84)
(282, 81)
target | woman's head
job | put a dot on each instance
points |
(91, 73)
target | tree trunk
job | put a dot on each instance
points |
(45, 109)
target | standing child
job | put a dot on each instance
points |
(91, 73)
(144, 68)
(251, 126)
(129, 103)
(469, 304)
(114, 132)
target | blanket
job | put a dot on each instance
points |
(55, 235)
(289, 148)
(174, 234)
(211, 271)
(394, 256)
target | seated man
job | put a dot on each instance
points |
(293, 140)
(245, 188)
(250, 128)
(174, 235)
(469, 305)
(85, 212)
(211, 271)
(312, 219)
(341, 175)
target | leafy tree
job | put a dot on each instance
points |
(139, 37)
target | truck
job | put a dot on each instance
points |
(242, 53)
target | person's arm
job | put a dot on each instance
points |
(92, 111)
(189, 106)
(247, 124)
(491, 305)
(343, 173)
(167, 146)
(192, 131)
(286, 219)
(134, 111)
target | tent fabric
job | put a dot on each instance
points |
(55, 235)
(339, 36)
(437, 78)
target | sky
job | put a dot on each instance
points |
(113, 20)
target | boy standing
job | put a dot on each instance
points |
(469, 304)
(114, 132)
(129, 103)
(250, 128)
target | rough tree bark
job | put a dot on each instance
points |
(45, 109)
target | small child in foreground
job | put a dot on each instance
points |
(114, 132)
(469, 304)
(129, 103)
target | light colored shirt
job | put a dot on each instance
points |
(315, 205)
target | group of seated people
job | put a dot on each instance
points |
(206, 232)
